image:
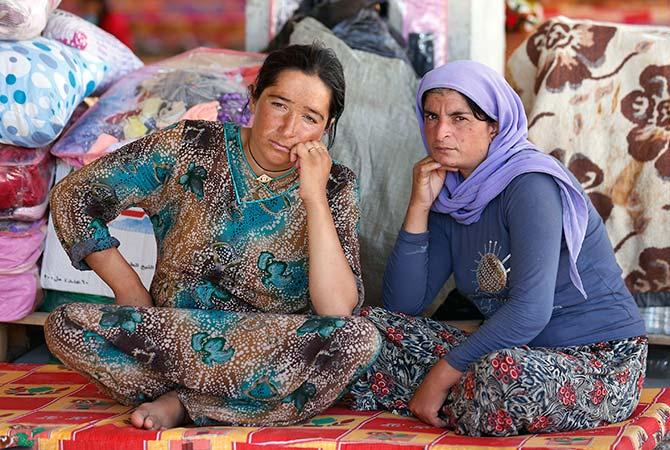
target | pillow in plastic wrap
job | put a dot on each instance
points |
(230, 107)
(25, 213)
(25, 176)
(18, 294)
(43, 81)
(76, 32)
(378, 138)
(156, 96)
(21, 245)
(24, 19)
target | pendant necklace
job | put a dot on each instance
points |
(262, 178)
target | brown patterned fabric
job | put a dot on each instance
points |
(224, 239)
(565, 53)
(597, 97)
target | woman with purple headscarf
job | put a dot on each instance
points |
(563, 345)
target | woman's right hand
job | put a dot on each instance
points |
(427, 180)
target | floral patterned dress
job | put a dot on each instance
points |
(224, 239)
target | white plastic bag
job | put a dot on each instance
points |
(24, 19)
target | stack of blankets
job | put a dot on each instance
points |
(50, 61)
(54, 64)
(596, 95)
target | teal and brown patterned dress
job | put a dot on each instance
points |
(224, 240)
(229, 287)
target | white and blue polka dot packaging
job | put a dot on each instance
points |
(83, 35)
(41, 83)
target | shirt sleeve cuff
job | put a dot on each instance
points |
(414, 238)
(81, 250)
(457, 360)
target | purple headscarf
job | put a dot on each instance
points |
(510, 154)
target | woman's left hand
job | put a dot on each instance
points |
(432, 392)
(314, 163)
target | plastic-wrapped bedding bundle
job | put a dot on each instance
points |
(25, 213)
(83, 35)
(24, 19)
(43, 81)
(18, 294)
(21, 245)
(156, 96)
(25, 177)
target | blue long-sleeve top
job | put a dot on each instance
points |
(513, 265)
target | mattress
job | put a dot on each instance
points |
(50, 407)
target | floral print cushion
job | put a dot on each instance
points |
(597, 97)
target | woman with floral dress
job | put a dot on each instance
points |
(253, 226)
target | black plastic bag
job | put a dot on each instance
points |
(368, 32)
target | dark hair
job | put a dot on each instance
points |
(314, 59)
(474, 107)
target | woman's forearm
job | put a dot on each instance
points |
(114, 270)
(332, 284)
(416, 219)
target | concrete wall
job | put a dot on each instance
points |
(257, 24)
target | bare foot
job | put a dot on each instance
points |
(164, 412)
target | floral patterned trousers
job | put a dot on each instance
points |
(226, 367)
(272, 369)
(507, 392)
